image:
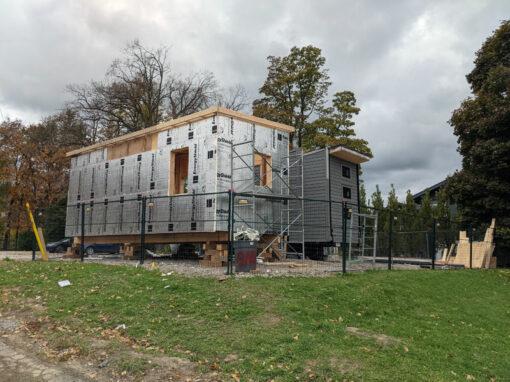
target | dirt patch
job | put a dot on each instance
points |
(339, 365)
(343, 365)
(33, 348)
(380, 339)
(269, 319)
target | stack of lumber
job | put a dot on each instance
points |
(215, 255)
(448, 253)
(72, 253)
(272, 253)
(482, 250)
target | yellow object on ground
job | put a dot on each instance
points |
(39, 239)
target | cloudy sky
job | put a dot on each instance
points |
(405, 60)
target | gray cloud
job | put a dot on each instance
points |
(405, 60)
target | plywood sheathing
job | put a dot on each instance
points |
(133, 146)
(482, 251)
(150, 132)
(266, 174)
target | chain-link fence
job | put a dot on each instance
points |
(231, 232)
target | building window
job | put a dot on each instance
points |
(210, 154)
(179, 171)
(168, 140)
(190, 135)
(262, 170)
(214, 129)
(208, 203)
(347, 193)
(346, 172)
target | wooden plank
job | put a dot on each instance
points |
(216, 246)
(131, 147)
(450, 253)
(158, 238)
(154, 142)
(216, 252)
(489, 233)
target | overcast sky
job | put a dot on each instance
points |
(406, 60)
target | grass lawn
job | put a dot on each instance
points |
(380, 325)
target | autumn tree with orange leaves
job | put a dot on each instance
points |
(34, 168)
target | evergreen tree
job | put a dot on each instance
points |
(410, 224)
(425, 215)
(442, 209)
(335, 126)
(363, 198)
(377, 200)
(393, 203)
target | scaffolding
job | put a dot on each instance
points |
(275, 207)
(366, 248)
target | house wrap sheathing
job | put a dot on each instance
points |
(186, 158)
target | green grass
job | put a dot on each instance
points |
(447, 325)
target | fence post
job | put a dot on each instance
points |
(33, 254)
(230, 263)
(142, 230)
(433, 244)
(82, 238)
(470, 229)
(344, 237)
(390, 241)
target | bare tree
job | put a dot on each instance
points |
(190, 94)
(234, 98)
(140, 90)
(130, 98)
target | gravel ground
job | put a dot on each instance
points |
(191, 267)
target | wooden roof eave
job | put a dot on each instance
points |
(348, 155)
(174, 123)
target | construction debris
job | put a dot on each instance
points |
(245, 233)
(481, 254)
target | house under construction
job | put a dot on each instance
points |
(185, 168)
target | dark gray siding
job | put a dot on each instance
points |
(318, 226)
(338, 182)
